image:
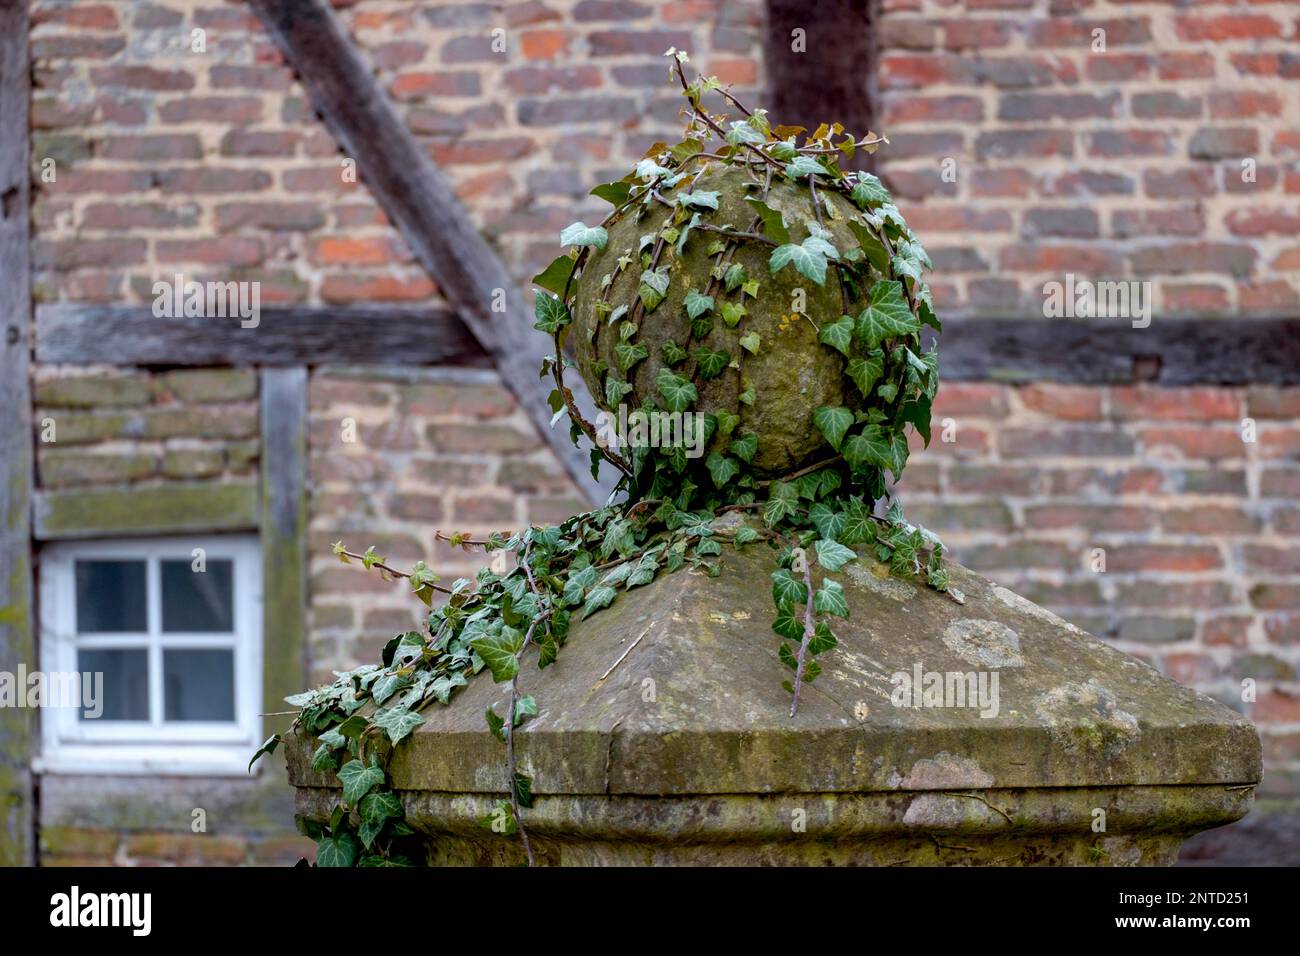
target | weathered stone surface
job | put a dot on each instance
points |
(663, 736)
(790, 379)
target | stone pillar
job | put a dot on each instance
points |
(663, 737)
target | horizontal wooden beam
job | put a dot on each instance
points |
(82, 333)
(1111, 351)
(142, 509)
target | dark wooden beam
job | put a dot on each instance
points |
(1110, 351)
(285, 335)
(284, 537)
(821, 65)
(17, 646)
(420, 201)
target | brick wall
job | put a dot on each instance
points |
(1123, 163)
(1127, 162)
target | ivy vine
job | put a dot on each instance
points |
(669, 511)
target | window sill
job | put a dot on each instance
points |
(151, 762)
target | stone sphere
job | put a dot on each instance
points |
(791, 374)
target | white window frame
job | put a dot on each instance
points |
(74, 746)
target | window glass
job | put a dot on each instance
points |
(198, 601)
(111, 597)
(199, 685)
(126, 682)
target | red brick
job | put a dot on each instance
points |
(142, 78)
(1274, 296)
(1271, 559)
(87, 16)
(227, 251)
(1235, 26)
(1201, 403)
(1065, 402)
(374, 250)
(1089, 518)
(379, 288)
(1271, 401)
(1240, 104)
(1214, 444)
(1209, 520)
(1185, 66)
(1155, 558)
(439, 84)
(1231, 631)
(1194, 299)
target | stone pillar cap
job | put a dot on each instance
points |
(676, 689)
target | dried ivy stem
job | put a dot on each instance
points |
(809, 628)
(512, 767)
(393, 571)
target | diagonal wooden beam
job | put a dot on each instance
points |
(422, 204)
(17, 646)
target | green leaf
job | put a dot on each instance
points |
(786, 589)
(858, 524)
(556, 276)
(838, 335)
(323, 760)
(615, 389)
(677, 392)
(748, 396)
(868, 448)
(727, 422)
(653, 288)
(868, 191)
(552, 314)
(336, 851)
(733, 277)
(697, 304)
(750, 342)
(805, 166)
(745, 534)
(598, 598)
(710, 362)
(629, 353)
(272, 742)
(773, 222)
(732, 313)
(496, 724)
(788, 625)
(672, 352)
(823, 639)
(742, 133)
(358, 780)
(809, 262)
(580, 234)
(886, 315)
(833, 423)
(832, 555)
(698, 200)
(745, 448)
(865, 372)
(615, 193)
(722, 467)
(499, 652)
(782, 499)
(398, 722)
(830, 599)
(378, 806)
(828, 521)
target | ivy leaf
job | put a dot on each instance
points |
(868, 448)
(722, 467)
(598, 598)
(744, 535)
(580, 234)
(338, 850)
(615, 389)
(830, 599)
(781, 502)
(556, 276)
(379, 806)
(833, 423)
(733, 277)
(698, 200)
(272, 742)
(865, 372)
(838, 335)
(828, 521)
(786, 589)
(615, 193)
(750, 342)
(499, 652)
(823, 639)
(398, 722)
(872, 248)
(727, 422)
(868, 191)
(773, 222)
(886, 315)
(748, 396)
(551, 313)
(732, 313)
(672, 352)
(697, 304)
(803, 166)
(742, 133)
(745, 448)
(629, 353)
(832, 555)
(358, 780)
(858, 526)
(788, 625)
(323, 760)
(809, 262)
(496, 724)
(678, 393)
(653, 288)
(710, 363)
(525, 707)
(888, 391)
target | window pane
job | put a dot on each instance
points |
(195, 601)
(199, 685)
(110, 597)
(125, 683)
